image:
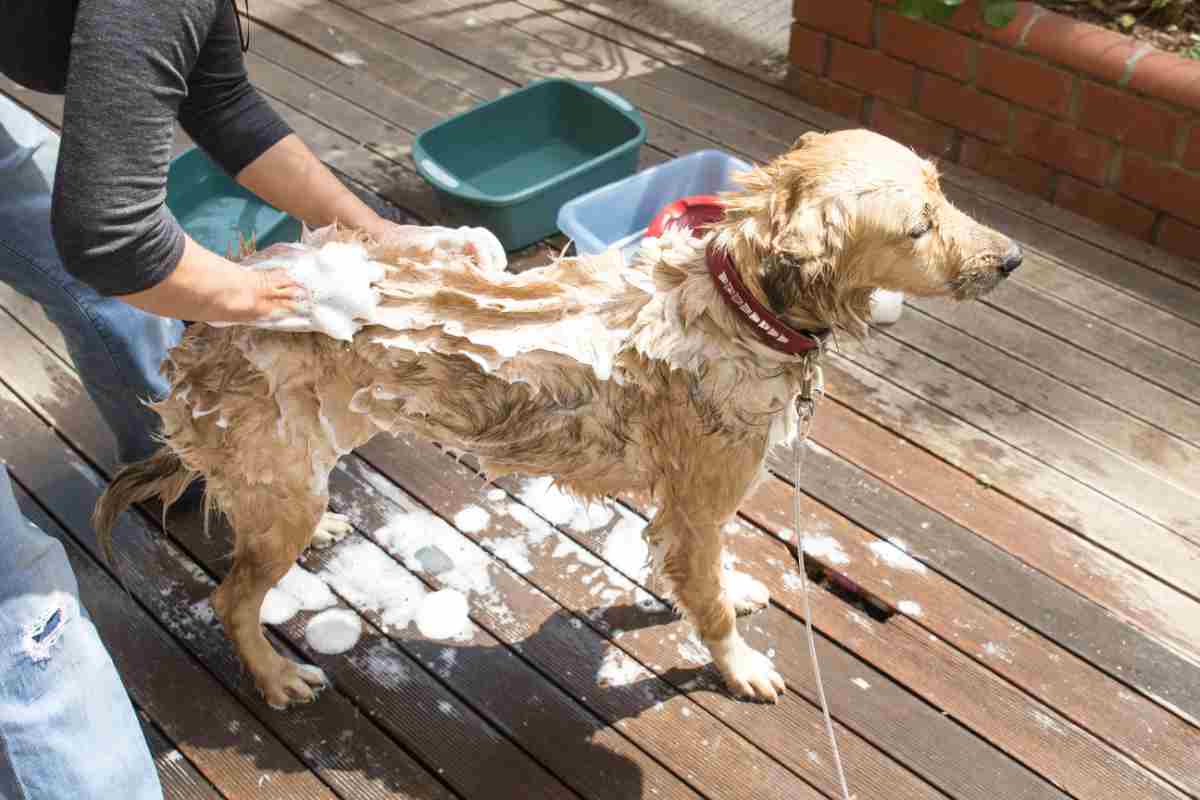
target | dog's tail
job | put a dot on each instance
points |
(162, 475)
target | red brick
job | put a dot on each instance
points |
(1146, 126)
(1011, 33)
(826, 94)
(1169, 77)
(849, 19)
(1104, 206)
(1069, 149)
(958, 105)
(1179, 237)
(1024, 80)
(1012, 169)
(1161, 186)
(1083, 47)
(1191, 152)
(928, 45)
(926, 136)
(807, 49)
(967, 17)
(872, 72)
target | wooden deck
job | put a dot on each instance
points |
(1037, 454)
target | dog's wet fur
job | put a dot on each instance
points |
(610, 378)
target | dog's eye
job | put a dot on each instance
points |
(923, 228)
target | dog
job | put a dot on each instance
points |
(651, 378)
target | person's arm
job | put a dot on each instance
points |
(127, 79)
(290, 177)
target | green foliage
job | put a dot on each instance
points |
(997, 13)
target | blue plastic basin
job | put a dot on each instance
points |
(509, 165)
(217, 212)
(617, 215)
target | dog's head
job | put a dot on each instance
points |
(845, 213)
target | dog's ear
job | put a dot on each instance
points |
(805, 251)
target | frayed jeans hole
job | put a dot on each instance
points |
(45, 634)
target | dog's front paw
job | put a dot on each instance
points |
(747, 672)
(330, 530)
(288, 683)
(747, 594)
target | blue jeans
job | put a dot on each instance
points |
(116, 348)
(67, 729)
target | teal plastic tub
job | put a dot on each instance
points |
(216, 211)
(509, 165)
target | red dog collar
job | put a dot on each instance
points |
(697, 213)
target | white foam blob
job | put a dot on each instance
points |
(333, 631)
(618, 669)
(297, 590)
(443, 615)
(886, 306)
(338, 277)
(472, 519)
(277, 608)
(825, 547)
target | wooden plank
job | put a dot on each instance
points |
(1081, 627)
(1041, 438)
(962, 511)
(1093, 515)
(407, 710)
(980, 343)
(178, 778)
(451, 34)
(1036, 662)
(161, 678)
(1103, 340)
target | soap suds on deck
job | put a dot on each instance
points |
(443, 615)
(893, 556)
(472, 519)
(618, 669)
(825, 547)
(334, 631)
(298, 590)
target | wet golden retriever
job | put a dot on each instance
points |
(611, 378)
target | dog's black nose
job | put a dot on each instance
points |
(1012, 260)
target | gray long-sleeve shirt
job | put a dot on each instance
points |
(129, 69)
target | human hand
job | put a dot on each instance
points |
(207, 288)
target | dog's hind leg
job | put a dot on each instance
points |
(272, 527)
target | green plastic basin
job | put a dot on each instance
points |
(509, 165)
(215, 210)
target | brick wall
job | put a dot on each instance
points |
(1085, 117)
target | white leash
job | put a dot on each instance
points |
(811, 387)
